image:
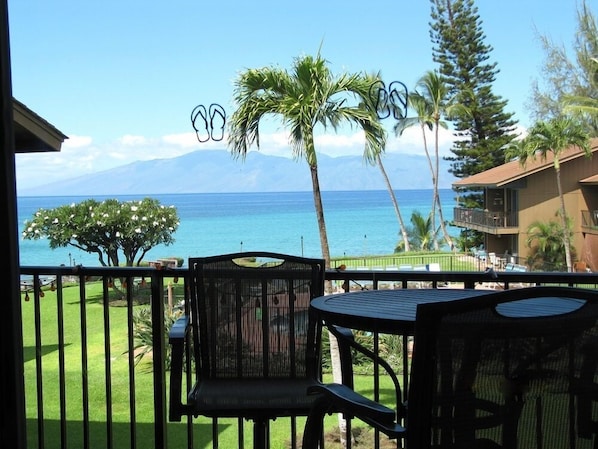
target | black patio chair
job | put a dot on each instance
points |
(513, 369)
(254, 350)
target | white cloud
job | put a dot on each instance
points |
(77, 142)
(132, 141)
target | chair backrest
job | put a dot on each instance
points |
(514, 369)
(249, 314)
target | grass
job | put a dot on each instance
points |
(98, 360)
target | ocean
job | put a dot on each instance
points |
(357, 222)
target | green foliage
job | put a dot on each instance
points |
(106, 228)
(142, 333)
(421, 233)
(547, 247)
(390, 349)
(569, 80)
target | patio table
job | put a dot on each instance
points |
(383, 311)
(394, 311)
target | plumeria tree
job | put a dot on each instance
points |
(108, 228)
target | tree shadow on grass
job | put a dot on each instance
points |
(123, 435)
(29, 351)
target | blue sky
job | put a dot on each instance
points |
(120, 78)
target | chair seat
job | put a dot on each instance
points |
(252, 398)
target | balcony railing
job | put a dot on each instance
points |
(484, 220)
(589, 221)
(86, 385)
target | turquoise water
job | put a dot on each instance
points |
(358, 223)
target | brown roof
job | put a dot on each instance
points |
(513, 171)
(32, 133)
(590, 180)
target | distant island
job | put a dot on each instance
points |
(212, 171)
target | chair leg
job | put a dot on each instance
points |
(314, 424)
(261, 438)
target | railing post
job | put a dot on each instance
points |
(12, 390)
(158, 343)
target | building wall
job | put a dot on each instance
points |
(540, 199)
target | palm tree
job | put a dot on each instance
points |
(422, 119)
(554, 137)
(306, 97)
(422, 231)
(384, 108)
(546, 243)
(395, 203)
(431, 102)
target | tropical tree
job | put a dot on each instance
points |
(570, 79)
(422, 231)
(395, 203)
(545, 240)
(423, 119)
(482, 129)
(307, 96)
(392, 103)
(431, 102)
(586, 107)
(554, 137)
(107, 228)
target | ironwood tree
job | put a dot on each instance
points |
(482, 129)
(569, 81)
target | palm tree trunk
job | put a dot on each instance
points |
(334, 351)
(566, 241)
(434, 175)
(320, 214)
(395, 203)
(447, 237)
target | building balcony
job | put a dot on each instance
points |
(486, 221)
(94, 380)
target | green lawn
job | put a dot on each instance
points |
(99, 359)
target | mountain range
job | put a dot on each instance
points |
(211, 171)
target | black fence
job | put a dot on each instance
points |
(96, 353)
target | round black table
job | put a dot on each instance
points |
(384, 311)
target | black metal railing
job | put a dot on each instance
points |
(484, 219)
(89, 382)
